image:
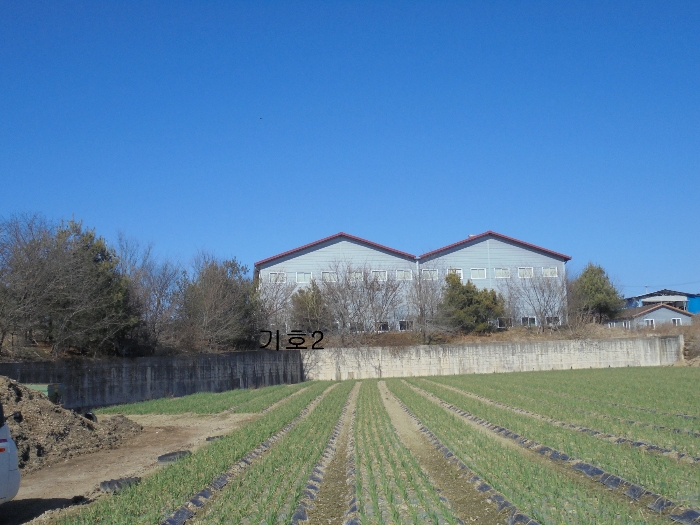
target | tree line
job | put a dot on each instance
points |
(64, 287)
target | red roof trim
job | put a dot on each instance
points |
(500, 236)
(651, 309)
(336, 236)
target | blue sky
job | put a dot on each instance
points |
(250, 128)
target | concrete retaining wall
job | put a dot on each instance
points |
(96, 383)
(485, 358)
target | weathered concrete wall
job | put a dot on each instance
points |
(96, 383)
(484, 358)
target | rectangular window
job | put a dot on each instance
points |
(626, 324)
(478, 273)
(649, 323)
(677, 321)
(329, 277)
(405, 325)
(611, 325)
(549, 272)
(457, 272)
(379, 275)
(505, 322)
(382, 326)
(355, 276)
(356, 327)
(278, 277)
(525, 272)
(554, 320)
(502, 273)
(429, 275)
(528, 321)
(303, 277)
(404, 275)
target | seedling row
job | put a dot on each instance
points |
(242, 400)
(391, 487)
(676, 480)
(509, 435)
(618, 432)
(159, 494)
(272, 487)
(539, 489)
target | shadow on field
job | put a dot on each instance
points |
(23, 510)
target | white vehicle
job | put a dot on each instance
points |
(9, 471)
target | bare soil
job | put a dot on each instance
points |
(46, 434)
(330, 504)
(76, 480)
(469, 504)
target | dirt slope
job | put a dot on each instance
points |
(46, 433)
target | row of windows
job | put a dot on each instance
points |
(507, 322)
(524, 272)
(650, 323)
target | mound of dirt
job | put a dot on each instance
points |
(46, 433)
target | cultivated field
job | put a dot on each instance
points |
(613, 446)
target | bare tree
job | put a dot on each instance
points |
(424, 296)
(24, 277)
(216, 306)
(545, 298)
(275, 303)
(152, 285)
(360, 299)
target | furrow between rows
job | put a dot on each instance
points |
(653, 501)
(316, 479)
(351, 514)
(465, 493)
(617, 440)
(190, 508)
(632, 407)
(627, 421)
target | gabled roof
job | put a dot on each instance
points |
(633, 313)
(662, 292)
(498, 236)
(338, 236)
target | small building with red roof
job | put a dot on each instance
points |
(651, 316)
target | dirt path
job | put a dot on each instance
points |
(467, 502)
(330, 504)
(76, 479)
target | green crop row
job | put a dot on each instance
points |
(390, 485)
(619, 409)
(580, 413)
(271, 488)
(641, 390)
(673, 479)
(265, 399)
(537, 488)
(207, 402)
(160, 493)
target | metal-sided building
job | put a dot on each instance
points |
(651, 316)
(684, 301)
(488, 260)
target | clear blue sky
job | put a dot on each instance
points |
(250, 128)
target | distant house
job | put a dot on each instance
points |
(683, 301)
(487, 260)
(651, 316)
